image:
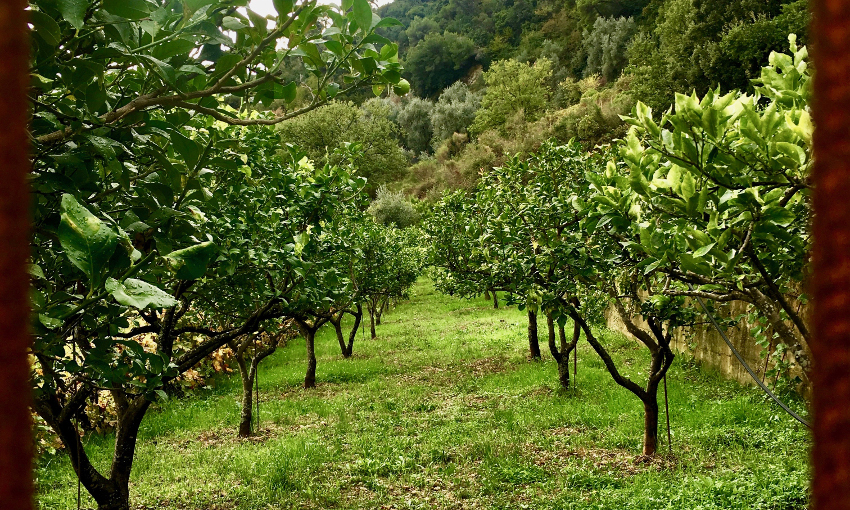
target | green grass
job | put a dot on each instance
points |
(442, 410)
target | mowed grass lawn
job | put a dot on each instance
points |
(444, 411)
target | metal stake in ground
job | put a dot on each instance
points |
(257, 392)
(667, 414)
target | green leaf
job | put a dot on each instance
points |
(688, 186)
(283, 7)
(333, 90)
(36, 271)
(45, 27)
(191, 263)
(130, 9)
(189, 149)
(388, 22)
(49, 322)
(652, 267)
(705, 249)
(162, 69)
(362, 15)
(233, 23)
(289, 92)
(73, 11)
(88, 242)
(139, 294)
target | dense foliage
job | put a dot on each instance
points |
(203, 180)
(710, 202)
(168, 222)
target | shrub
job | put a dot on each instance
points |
(513, 86)
(414, 119)
(393, 209)
(606, 46)
(453, 113)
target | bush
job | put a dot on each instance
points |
(511, 87)
(414, 119)
(453, 113)
(393, 209)
(325, 129)
(595, 119)
(606, 46)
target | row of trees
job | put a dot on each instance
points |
(168, 219)
(712, 202)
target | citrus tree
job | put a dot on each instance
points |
(133, 106)
(718, 198)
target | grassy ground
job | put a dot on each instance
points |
(442, 410)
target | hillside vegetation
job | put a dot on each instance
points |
(495, 78)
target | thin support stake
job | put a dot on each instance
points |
(575, 366)
(257, 394)
(667, 413)
(79, 466)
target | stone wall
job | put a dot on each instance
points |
(705, 344)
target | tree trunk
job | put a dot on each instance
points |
(382, 306)
(337, 324)
(564, 362)
(310, 377)
(122, 461)
(495, 300)
(650, 422)
(372, 321)
(487, 294)
(247, 395)
(561, 357)
(533, 344)
(358, 317)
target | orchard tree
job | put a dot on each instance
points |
(131, 108)
(461, 263)
(272, 217)
(717, 185)
(559, 256)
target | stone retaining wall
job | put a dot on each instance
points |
(705, 344)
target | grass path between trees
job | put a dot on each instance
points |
(443, 411)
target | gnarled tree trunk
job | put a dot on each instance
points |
(650, 421)
(662, 358)
(347, 349)
(310, 376)
(533, 343)
(111, 493)
(562, 355)
(248, 374)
